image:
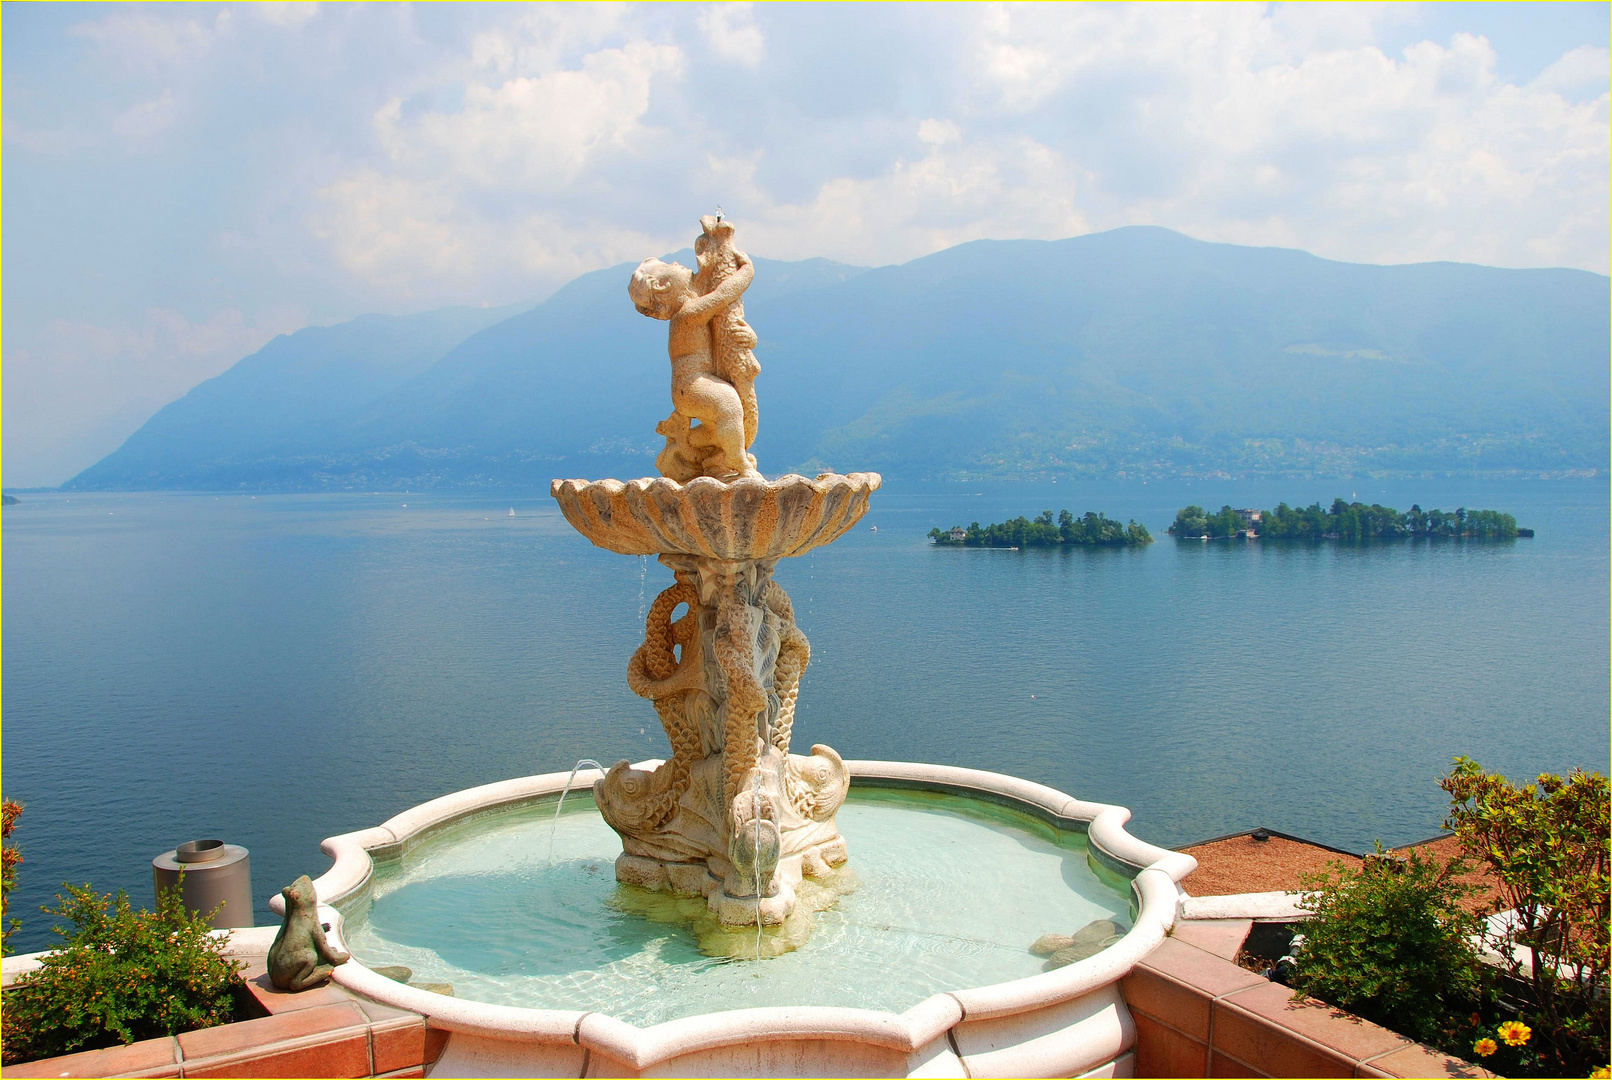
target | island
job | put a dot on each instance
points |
(9, 500)
(1352, 521)
(1089, 530)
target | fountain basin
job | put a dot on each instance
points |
(741, 519)
(1070, 1021)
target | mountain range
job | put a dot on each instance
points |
(1130, 353)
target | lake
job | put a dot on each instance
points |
(273, 670)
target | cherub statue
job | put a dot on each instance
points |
(701, 389)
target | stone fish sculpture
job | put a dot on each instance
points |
(732, 815)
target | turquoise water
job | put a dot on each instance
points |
(950, 895)
(275, 670)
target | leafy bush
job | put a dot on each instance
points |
(1389, 942)
(1548, 845)
(9, 858)
(123, 975)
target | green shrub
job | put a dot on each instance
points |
(1389, 942)
(1548, 843)
(123, 975)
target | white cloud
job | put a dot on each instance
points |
(393, 231)
(141, 124)
(542, 129)
(145, 54)
(142, 39)
(138, 128)
(1231, 122)
(1341, 149)
(953, 193)
(415, 240)
(938, 132)
(548, 246)
(731, 32)
(66, 139)
(1022, 72)
(1584, 70)
(542, 36)
(524, 136)
(287, 14)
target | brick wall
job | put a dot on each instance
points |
(1198, 1014)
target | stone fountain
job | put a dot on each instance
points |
(562, 972)
(732, 815)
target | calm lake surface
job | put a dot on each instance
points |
(279, 669)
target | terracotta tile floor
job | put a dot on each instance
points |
(1242, 864)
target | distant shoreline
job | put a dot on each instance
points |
(1420, 537)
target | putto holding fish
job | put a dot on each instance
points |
(714, 365)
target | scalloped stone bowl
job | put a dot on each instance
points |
(1071, 1021)
(741, 519)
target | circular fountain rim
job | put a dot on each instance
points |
(1157, 872)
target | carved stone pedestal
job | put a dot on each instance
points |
(732, 815)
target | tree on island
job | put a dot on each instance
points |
(1089, 530)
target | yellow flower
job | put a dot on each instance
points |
(1484, 1047)
(1515, 1032)
(1603, 1073)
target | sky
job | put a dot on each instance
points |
(183, 182)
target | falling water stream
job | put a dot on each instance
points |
(755, 814)
(563, 793)
(643, 577)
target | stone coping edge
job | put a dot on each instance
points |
(1155, 886)
(1260, 906)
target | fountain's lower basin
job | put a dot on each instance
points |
(946, 891)
(458, 890)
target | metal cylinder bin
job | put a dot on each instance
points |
(215, 873)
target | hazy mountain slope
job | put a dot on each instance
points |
(1145, 349)
(1135, 351)
(278, 399)
(581, 376)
